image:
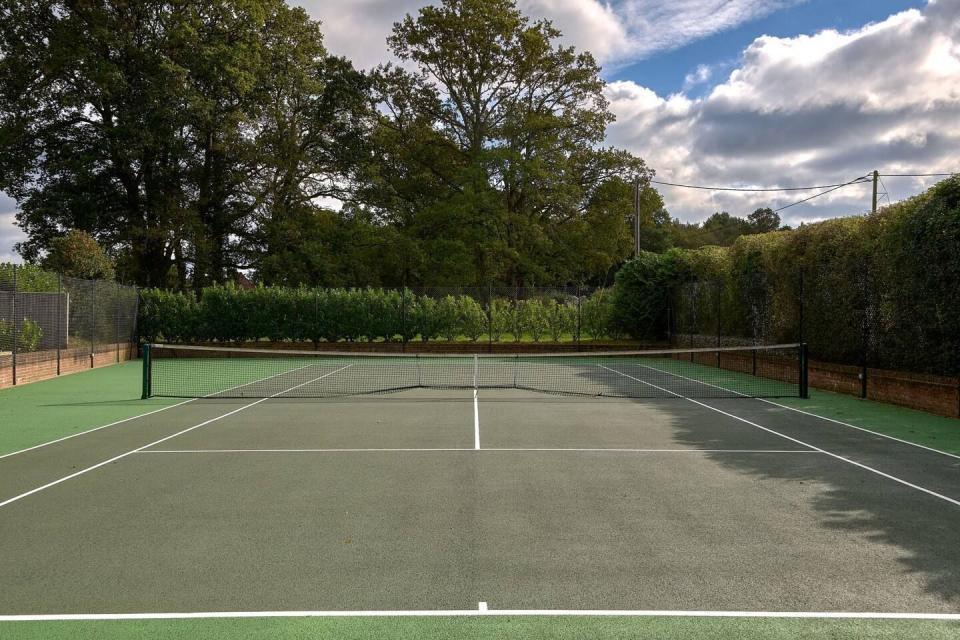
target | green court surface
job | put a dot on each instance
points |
(496, 628)
(910, 425)
(481, 508)
(39, 412)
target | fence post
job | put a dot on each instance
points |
(864, 333)
(59, 318)
(719, 329)
(579, 317)
(801, 306)
(669, 317)
(490, 317)
(93, 318)
(16, 333)
(804, 372)
(403, 318)
(116, 321)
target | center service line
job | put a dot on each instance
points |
(476, 421)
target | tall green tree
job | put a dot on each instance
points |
(763, 220)
(175, 133)
(488, 155)
(77, 254)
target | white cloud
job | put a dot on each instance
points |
(10, 234)
(615, 32)
(698, 76)
(814, 109)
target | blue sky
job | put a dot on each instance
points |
(664, 72)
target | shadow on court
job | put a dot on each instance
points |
(859, 503)
(382, 502)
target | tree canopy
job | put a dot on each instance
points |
(193, 140)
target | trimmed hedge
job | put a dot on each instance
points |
(879, 289)
(229, 314)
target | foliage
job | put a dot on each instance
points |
(878, 289)
(78, 255)
(30, 278)
(561, 319)
(28, 337)
(509, 185)
(182, 136)
(234, 315)
(595, 315)
(500, 310)
(641, 293)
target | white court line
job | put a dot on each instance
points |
(476, 421)
(815, 448)
(493, 450)
(480, 611)
(164, 439)
(74, 435)
(142, 415)
(806, 413)
(853, 426)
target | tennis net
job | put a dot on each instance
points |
(723, 372)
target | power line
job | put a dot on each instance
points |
(693, 186)
(859, 180)
(916, 175)
(822, 186)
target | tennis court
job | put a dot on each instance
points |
(284, 491)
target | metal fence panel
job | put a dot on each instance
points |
(51, 324)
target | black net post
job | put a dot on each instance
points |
(59, 317)
(14, 328)
(146, 372)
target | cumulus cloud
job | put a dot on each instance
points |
(814, 109)
(698, 76)
(615, 32)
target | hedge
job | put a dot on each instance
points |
(879, 289)
(232, 315)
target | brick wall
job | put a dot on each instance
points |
(42, 365)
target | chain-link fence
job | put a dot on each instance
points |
(52, 324)
(866, 334)
(567, 317)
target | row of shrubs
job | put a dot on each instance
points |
(230, 314)
(878, 288)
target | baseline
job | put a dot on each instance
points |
(488, 449)
(485, 611)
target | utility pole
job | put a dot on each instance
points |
(636, 218)
(876, 178)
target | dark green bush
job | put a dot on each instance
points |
(641, 293)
